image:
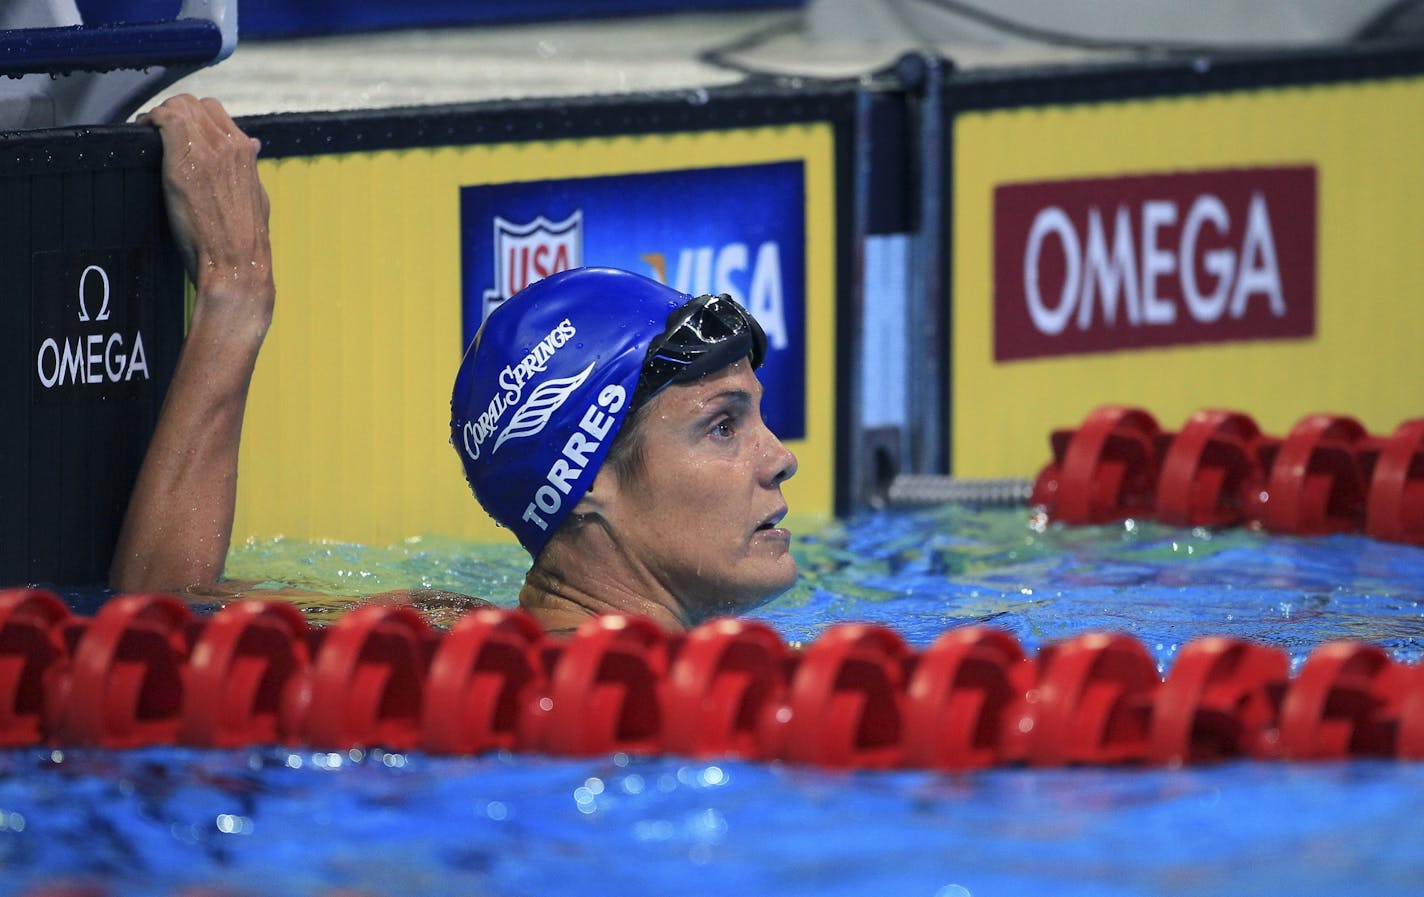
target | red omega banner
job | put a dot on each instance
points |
(1106, 264)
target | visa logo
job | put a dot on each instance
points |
(755, 283)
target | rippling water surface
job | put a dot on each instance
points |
(273, 822)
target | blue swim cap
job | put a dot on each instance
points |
(545, 388)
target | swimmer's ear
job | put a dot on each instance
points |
(595, 502)
(604, 485)
(596, 512)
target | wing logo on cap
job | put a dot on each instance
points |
(547, 398)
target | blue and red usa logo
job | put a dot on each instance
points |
(528, 252)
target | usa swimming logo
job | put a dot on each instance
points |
(524, 253)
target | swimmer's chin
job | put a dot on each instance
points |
(777, 589)
(750, 600)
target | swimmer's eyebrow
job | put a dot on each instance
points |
(735, 397)
(728, 400)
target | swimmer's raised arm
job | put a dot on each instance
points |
(178, 525)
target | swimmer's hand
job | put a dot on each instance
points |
(218, 209)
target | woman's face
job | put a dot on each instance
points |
(703, 513)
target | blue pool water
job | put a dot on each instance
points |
(275, 822)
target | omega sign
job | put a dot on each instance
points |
(1134, 262)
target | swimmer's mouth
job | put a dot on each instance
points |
(772, 521)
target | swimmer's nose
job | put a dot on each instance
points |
(782, 461)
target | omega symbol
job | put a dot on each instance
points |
(104, 307)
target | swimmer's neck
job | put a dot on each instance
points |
(560, 602)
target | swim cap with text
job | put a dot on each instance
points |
(545, 387)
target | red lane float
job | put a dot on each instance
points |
(1344, 702)
(603, 690)
(1395, 507)
(485, 672)
(1105, 470)
(146, 671)
(1328, 475)
(1411, 716)
(1212, 471)
(32, 643)
(247, 658)
(959, 696)
(1091, 704)
(1220, 700)
(1315, 487)
(729, 676)
(367, 682)
(843, 704)
(123, 685)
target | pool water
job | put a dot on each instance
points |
(268, 821)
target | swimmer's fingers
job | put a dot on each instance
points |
(174, 119)
(185, 108)
(203, 121)
(201, 133)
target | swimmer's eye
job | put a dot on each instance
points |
(725, 428)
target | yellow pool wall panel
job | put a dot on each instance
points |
(1366, 143)
(347, 430)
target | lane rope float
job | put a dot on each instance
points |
(145, 670)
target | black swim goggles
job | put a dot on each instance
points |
(705, 335)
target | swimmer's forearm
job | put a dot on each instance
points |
(178, 525)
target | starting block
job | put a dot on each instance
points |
(60, 72)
